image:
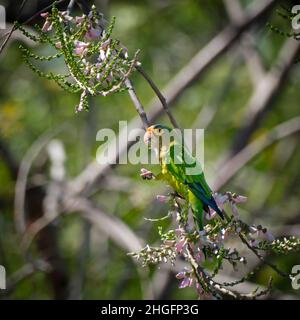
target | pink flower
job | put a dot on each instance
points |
(200, 257)
(102, 55)
(180, 245)
(66, 17)
(234, 210)
(47, 25)
(192, 246)
(105, 44)
(80, 47)
(58, 45)
(162, 199)
(240, 199)
(45, 14)
(180, 275)
(186, 282)
(211, 215)
(93, 33)
(220, 199)
(104, 50)
(79, 20)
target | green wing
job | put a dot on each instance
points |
(180, 163)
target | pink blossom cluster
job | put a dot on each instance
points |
(102, 63)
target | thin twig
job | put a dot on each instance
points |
(14, 27)
(160, 96)
(262, 259)
(211, 286)
(138, 105)
(43, 10)
(125, 76)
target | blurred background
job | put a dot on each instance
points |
(222, 69)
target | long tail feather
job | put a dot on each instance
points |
(199, 192)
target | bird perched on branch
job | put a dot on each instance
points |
(181, 170)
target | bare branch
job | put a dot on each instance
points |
(160, 96)
(138, 105)
(216, 288)
(13, 29)
(262, 259)
(9, 34)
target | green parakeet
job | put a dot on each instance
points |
(175, 161)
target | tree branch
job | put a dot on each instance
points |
(138, 105)
(160, 96)
(14, 28)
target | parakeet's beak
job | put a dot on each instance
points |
(148, 135)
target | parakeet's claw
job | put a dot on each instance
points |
(146, 174)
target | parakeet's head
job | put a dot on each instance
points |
(157, 137)
(155, 133)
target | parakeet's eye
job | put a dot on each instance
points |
(159, 130)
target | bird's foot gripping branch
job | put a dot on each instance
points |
(208, 251)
